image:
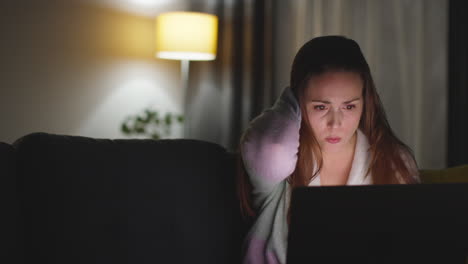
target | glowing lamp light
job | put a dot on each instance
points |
(186, 36)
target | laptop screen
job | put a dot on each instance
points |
(424, 223)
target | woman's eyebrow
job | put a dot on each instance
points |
(350, 101)
(320, 101)
(328, 102)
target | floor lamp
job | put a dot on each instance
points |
(186, 36)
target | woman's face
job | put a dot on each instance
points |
(334, 106)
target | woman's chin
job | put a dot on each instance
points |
(328, 147)
(332, 147)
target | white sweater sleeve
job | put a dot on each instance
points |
(270, 145)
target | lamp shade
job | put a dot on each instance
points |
(186, 36)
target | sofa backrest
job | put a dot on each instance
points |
(87, 200)
(458, 174)
(8, 202)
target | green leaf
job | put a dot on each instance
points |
(125, 129)
(168, 119)
(151, 116)
(147, 117)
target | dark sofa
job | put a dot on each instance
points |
(84, 200)
(69, 199)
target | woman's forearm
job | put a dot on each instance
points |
(270, 145)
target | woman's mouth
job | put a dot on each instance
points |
(333, 140)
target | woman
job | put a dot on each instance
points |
(328, 128)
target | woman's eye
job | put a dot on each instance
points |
(349, 107)
(319, 107)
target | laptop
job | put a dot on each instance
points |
(423, 223)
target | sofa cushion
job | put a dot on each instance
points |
(90, 200)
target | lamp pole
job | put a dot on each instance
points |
(184, 69)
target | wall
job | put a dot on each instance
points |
(80, 68)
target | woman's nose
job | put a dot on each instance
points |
(334, 118)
